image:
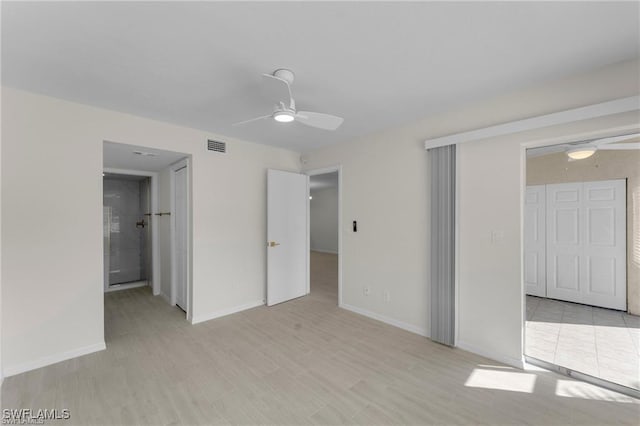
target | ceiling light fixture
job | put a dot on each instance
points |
(145, 154)
(581, 153)
(284, 116)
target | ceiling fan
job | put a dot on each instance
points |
(279, 85)
(582, 150)
(579, 150)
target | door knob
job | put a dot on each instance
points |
(272, 244)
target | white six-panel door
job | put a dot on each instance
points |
(534, 241)
(564, 243)
(586, 243)
(603, 268)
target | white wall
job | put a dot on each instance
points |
(324, 220)
(52, 304)
(55, 266)
(385, 187)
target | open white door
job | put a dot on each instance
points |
(287, 245)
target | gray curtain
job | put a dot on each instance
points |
(443, 190)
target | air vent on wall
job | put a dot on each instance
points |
(216, 146)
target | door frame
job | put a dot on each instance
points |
(322, 171)
(185, 162)
(155, 252)
(536, 143)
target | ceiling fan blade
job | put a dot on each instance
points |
(617, 146)
(250, 120)
(277, 89)
(605, 141)
(319, 120)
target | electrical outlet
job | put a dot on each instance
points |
(366, 291)
(386, 296)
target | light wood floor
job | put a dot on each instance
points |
(301, 362)
(324, 277)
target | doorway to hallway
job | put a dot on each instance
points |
(324, 230)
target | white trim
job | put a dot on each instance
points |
(514, 362)
(322, 171)
(308, 236)
(172, 257)
(616, 106)
(523, 287)
(185, 162)
(324, 251)
(225, 312)
(394, 322)
(155, 241)
(156, 282)
(53, 359)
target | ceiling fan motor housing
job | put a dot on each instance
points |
(285, 74)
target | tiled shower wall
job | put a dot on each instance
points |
(124, 201)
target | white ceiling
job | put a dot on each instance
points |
(376, 64)
(324, 181)
(122, 156)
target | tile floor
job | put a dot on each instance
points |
(600, 342)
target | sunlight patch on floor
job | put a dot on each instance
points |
(501, 380)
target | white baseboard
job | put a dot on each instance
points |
(224, 312)
(394, 322)
(53, 359)
(325, 251)
(518, 363)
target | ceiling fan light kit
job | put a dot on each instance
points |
(284, 116)
(581, 153)
(279, 83)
